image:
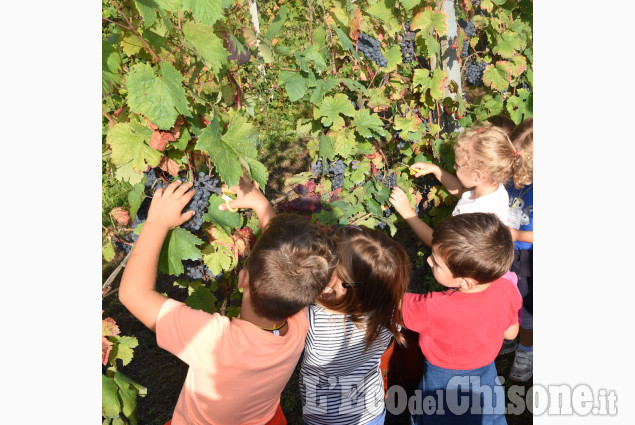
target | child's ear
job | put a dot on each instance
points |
(243, 279)
(478, 175)
(467, 283)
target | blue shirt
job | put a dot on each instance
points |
(521, 211)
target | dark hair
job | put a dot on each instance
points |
(474, 245)
(380, 268)
(523, 140)
(504, 123)
(289, 266)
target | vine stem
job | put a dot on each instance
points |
(364, 217)
(310, 20)
(106, 286)
(134, 30)
(109, 119)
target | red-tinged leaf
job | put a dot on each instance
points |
(248, 235)
(497, 76)
(176, 132)
(169, 166)
(121, 215)
(204, 120)
(152, 126)
(109, 327)
(106, 346)
(335, 195)
(155, 141)
(355, 24)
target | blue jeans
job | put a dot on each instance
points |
(467, 397)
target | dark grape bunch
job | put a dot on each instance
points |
(470, 31)
(408, 44)
(370, 47)
(475, 73)
(204, 187)
(390, 180)
(195, 270)
(334, 170)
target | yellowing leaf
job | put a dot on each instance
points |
(128, 145)
(497, 76)
(210, 47)
(430, 19)
(507, 45)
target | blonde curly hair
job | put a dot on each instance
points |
(523, 140)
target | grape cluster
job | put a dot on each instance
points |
(334, 170)
(204, 187)
(408, 44)
(389, 180)
(195, 270)
(470, 31)
(370, 47)
(475, 73)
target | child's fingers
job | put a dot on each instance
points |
(187, 197)
(171, 188)
(186, 216)
(182, 189)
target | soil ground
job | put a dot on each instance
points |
(163, 374)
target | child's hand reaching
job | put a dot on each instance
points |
(248, 195)
(400, 201)
(166, 208)
(426, 168)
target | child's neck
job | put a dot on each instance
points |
(248, 314)
(476, 288)
(484, 189)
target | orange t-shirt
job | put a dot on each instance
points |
(237, 370)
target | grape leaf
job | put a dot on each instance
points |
(358, 175)
(265, 51)
(408, 124)
(421, 77)
(123, 349)
(217, 258)
(330, 109)
(373, 207)
(346, 42)
(430, 19)
(409, 4)
(393, 55)
(179, 245)
(170, 5)
(109, 327)
(278, 22)
(258, 172)
(518, 65)
(131, 44)
(202, 299)
(438, 83)
(294, 83)
(124, 381)
(313, 53)
(160, 99)
(366, 124)
(136, 197)
(381, 9)
(206, 11)
(507, 44)
(209, 46)
(326, 147)
(127, 173)
(110, 66)
(321, 88)
(127, 141)
(108, 250)
(226, 219)
(487, 5)
(147, 9)
(110, 405)
(519, 106)
(498, 76)
(344, 142)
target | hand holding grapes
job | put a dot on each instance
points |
(166, 208)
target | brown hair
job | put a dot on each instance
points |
(487, 147)
(523, 140)
(289, 266)
(502, 122)
(474, 245)
(378, 271)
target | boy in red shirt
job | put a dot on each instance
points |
(461, 330)
(238, 367)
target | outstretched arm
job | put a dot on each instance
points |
(250, 196)
(137, 291)
(522, 235)
(449, 181)
(399, 199)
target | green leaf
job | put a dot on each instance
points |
(147, 9)
(366, 124)
(321, 88)
(381, 9)
(217, 258)
(131, 44)
(354, 85)
(226, 219)
(497, 76)
(409, 4)
(258, 172)
(408, 124)
(126, 173)
(265, 51)
(160, 99)
(345, 143)
(383, 193)
(129, 401)
(135, 198)
(346, 42)
(108, 250)
(430, 19)
(110, 405)
(393, 55)
(331, 108)
(209, 46)
(182, 141)
(123, 381)
(206, 11)
(122, 349)
(278, 22)
(202, 299)
(507, 45)
(170, 5)
(326, 147)
(294, 83)
(421, 77)
(359, 175)
(179, 245)
(438, 83)
(519, 107)
(373, 207)
(127, 142)
(110, 66)
(313, 53)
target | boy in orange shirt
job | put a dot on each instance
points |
(239, 367)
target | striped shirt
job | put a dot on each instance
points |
(339, 382)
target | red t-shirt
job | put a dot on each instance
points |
(460, 330)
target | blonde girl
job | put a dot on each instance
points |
(485, 160)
